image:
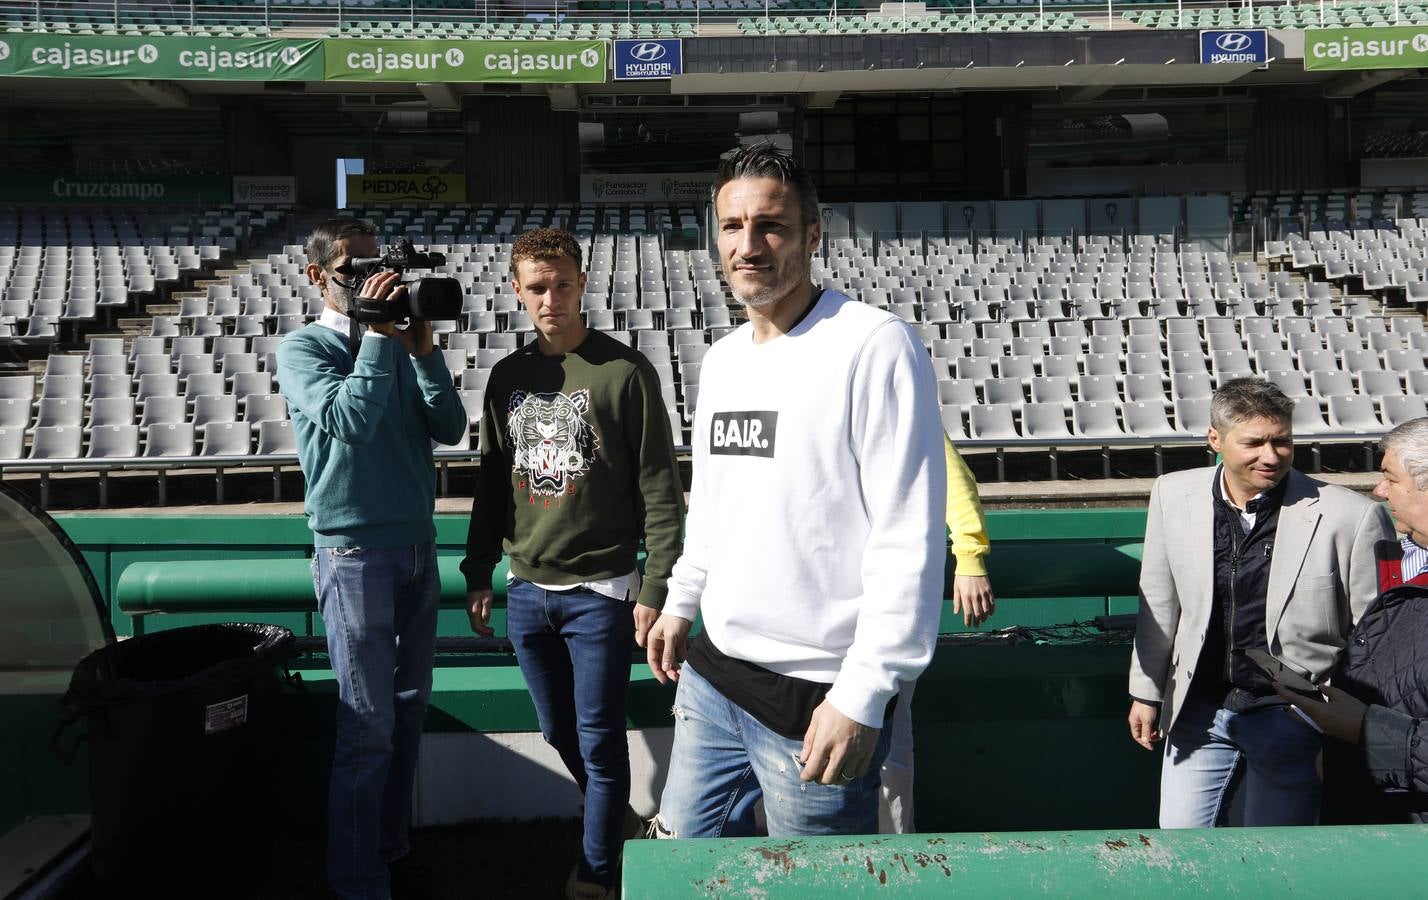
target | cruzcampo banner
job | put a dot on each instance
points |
(558, 62)
(1399, 47)
(128, 189)
(155, 58)
(426, 187)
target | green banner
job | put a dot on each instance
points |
(167, 58)
(1400, 47)
(128, 189)
(557, 62)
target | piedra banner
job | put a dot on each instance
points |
(551, 62)
(159, 58)
(1399, 47)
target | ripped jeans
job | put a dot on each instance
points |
(723, 761)
(379, 611)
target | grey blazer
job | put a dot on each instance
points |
(1322, 577)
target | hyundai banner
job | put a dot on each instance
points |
(1247, 47)
(642, 60)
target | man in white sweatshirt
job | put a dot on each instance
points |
(814, 544)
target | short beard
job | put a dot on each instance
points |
(761, 299)
(340, 297)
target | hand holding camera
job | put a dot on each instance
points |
(387, 287)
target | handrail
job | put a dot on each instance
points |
(560, 15)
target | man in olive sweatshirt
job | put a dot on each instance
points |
(577, 464)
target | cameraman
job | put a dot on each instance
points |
(364, 424)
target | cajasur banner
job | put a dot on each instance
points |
(550, 62)
(1397, 47)
(146, 57)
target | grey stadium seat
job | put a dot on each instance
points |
(1354, 413)
(275, 437)
(1400, 409)
(991, 422)
(226, 439)
(1044, 421)
(1307, 419)
(1192, 415)
(57, 442)
(1095, 419)
(114, 442)
(169, 439)
(12, 443)
(1147, 420)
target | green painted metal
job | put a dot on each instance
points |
(268, 585)
(1325, 862)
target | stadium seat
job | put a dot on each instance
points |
(1308, 421)
(113, 442)
(1404, 408)
(1096, 419)
(56, 442)
(275, 437)
(226, 439)
(991, 422)
(169, 439)
(1044, 421)
(12, 443)
(1192, 415)
(1354, 413)
(1147, 420)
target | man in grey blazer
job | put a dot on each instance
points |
(1247, 555)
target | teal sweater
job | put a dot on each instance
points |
(364, 429)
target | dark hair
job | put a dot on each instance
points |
(1240, 399)
(544, 244)
(764, 160)
(322, 243)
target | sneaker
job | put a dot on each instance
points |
(635, 825)
(575, 889)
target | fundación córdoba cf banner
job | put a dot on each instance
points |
(42, 55)
(1396, 47)
(646, 187)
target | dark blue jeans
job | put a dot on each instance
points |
(574, 650)
(379, 609)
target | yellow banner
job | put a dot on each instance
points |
(422, 187)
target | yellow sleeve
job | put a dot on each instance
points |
(964, 515)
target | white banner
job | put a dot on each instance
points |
(647, 187)
(265, 190)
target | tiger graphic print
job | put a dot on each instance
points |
(553, 443)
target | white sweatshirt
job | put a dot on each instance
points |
(815, 544)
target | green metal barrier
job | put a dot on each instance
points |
(255, 586)
(285, 584)
(1328, 862)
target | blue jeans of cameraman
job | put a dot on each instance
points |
(379, 609)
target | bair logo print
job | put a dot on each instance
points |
(553, 443)
(750, 433)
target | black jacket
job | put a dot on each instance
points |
(1385, 779)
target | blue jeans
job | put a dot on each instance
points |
(1279, 752)
(723, 761)
(379, 609)
(574, 648)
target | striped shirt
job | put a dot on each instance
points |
(1415, 560)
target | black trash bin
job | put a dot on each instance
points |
(181, 739)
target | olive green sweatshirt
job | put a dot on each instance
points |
(577, 464)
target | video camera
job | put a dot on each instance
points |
(426, 298)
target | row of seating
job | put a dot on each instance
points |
(684, 18)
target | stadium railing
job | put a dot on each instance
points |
(604, 19)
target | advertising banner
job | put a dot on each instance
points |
(423, 187)
(640, 60)
(1245, 46)
(1400, 47)
(552, 62)
(128, 189)
(265, 190)
(682, 187)
(159, 58)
